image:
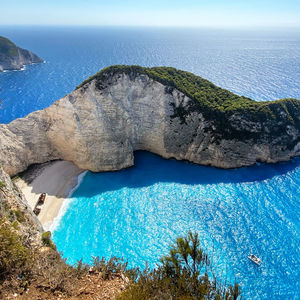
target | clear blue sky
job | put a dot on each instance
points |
(208, 13)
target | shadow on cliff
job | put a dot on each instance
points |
(150, 169)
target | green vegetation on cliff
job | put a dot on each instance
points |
(14, 58)
(210, 97)
(7, 47)
(232, 116)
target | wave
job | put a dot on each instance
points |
(62, 211)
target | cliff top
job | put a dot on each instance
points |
(213, 101)
(13, 57)
(7, 47)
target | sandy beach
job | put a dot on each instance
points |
(57, 179)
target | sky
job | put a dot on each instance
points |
(179, 13)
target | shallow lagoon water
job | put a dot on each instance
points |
(136, 213)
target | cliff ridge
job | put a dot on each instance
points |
(169, 112)
(13, 57)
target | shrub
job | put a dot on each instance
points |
(81, 268)
(52, 272)
(20, 215)
(183, 274)
(46, 239)
(14, 256)
(11, 216)
(15, 225)
(109, 268)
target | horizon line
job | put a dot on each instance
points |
(294, 27)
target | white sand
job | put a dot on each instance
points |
(57, 180)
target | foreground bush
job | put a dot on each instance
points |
(183, 274)
(14, 256)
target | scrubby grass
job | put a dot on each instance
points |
(46, 239)
(7, 47)
(43, 268)
(15, 258)
(15, 225)
(211, 98)
(20, 216)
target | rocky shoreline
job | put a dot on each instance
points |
(14, 58)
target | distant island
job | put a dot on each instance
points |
(14, 58)
(166, 111)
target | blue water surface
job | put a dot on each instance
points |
(264, 65)
(136, 213)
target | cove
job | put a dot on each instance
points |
(138, 212)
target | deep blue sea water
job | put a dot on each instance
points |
(264, 65)
(136, 213)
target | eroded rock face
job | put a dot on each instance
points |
(99, 129)
(14, 207)
(17, 62)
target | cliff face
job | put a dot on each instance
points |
(99, 126)
(32, 268)
(13, 57)
(14, 208)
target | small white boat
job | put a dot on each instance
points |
(255, 259)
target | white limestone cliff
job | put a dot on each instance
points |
(99, 130)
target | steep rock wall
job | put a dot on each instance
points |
(23, 57)
(99, 129)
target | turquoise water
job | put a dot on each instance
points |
(136, 213)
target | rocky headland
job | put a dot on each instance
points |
(169, 112)
(13, 57)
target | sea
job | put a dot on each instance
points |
(137, 213)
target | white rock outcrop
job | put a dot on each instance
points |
(99, 130)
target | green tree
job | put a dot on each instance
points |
(183, 274)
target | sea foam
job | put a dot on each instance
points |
(51, 227)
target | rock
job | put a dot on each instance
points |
(14, 207)
(15, 58)
(100, 125)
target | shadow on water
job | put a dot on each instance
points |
(150, 169)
